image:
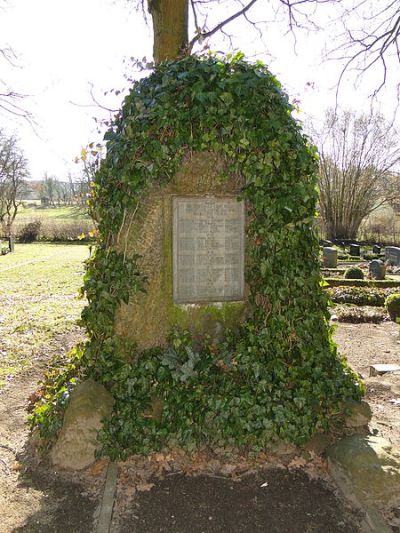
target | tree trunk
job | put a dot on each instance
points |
(170, 26)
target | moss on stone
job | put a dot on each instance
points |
(147, 231)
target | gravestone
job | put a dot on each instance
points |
(329, 257)
(392, 255)
(190, 235)
(377, 269)
(355, 250)
(376, 249)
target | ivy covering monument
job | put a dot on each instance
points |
(271, 371)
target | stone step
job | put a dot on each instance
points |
(379, 369)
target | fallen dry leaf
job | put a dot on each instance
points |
(98, 467)
(17, 466)
(297, 462)
(144, 487)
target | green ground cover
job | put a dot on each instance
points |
(38, 303)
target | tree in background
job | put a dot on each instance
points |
(358, 154)
(89, 161)
(13, 174)
(49, 190)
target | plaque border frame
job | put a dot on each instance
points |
(199, 301)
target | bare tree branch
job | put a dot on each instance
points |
(218, 27)
(370, 38)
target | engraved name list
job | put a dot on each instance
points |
(208, 249)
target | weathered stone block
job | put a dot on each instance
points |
(360, 414)
(372, 465)
(76, 444)
(376, 249)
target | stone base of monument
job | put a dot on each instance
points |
(358, 415)
(77, 441)
(367, 470)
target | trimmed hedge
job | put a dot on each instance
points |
(392, 305)
(360, 296)
(338, 282)
(333, 270)
(354, 272)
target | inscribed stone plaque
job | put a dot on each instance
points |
(208, 249)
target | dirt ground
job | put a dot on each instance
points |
(276, 501)
(33, 497)
(369, 344)
(291, 498)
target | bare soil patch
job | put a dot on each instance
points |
(368, 344)
(275, 501)
(33, 497)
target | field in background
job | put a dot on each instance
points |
(39, 307)
(56, 223)
(66, 213)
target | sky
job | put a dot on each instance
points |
(68, 50)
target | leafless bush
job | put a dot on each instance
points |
(56, 230)
(383, 227)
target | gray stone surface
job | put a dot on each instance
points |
(392, 255)
(379, 369)
(208, 249)
(360, 414)
(76, 444)
(372, 465)
(329, 257)
(377, 269)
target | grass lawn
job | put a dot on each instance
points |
(38, 303)
(65, 213)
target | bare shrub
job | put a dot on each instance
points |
(56, 230)
(383, 227)
(53, 230)
(30, 232)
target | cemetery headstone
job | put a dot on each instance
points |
(330, 257)
(392, 255)
(376, 249)
(377, 269)
(355, 250)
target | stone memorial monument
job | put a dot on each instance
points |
(205, 306)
